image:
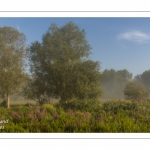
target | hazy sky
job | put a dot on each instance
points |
(118, 43)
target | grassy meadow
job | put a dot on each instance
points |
(86, 116)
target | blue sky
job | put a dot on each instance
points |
(118, 43)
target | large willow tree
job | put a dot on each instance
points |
(60, 65)
(12, 52)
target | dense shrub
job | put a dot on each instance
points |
(117, 105)
(83, 105)
(50, 108)
(79, 116)
(134, 90)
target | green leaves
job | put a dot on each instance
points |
(135, 91)
(144, 78)
(12, 53)
(61, 67)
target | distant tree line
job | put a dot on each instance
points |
(120, 84)
(114, 82)
(139, 88)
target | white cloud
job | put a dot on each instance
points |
(135, 36)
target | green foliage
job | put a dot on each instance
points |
(35, 90)
(135, 91)
(116, 106)
(60, 66)
(50, 108)
(123, 116)
(12, 52)
(87, 81)
(144, 78)
(14, 128)
(83, 105)
(3, 103)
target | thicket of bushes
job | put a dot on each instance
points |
(78, 116)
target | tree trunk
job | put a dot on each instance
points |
(8, 101)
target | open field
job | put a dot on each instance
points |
(22, 102)
(14, 103)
